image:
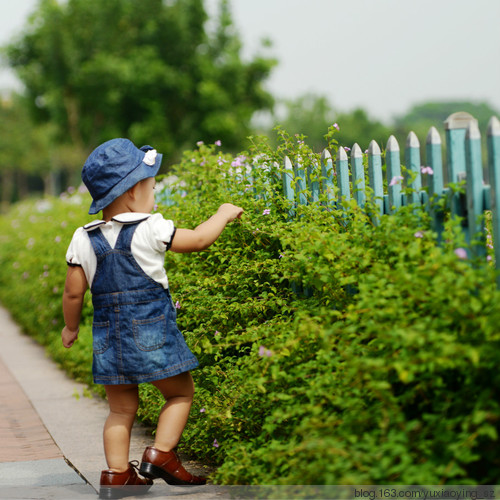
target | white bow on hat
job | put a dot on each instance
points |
(150, 157)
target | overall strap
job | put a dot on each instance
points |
(99, 242)
(124, 239)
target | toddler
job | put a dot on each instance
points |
(134, 330)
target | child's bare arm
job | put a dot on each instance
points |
(200, 238)
(74, 291)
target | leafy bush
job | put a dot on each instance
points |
(332, 350)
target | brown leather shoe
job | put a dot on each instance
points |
(166, 465)
(123, 484)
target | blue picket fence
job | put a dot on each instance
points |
(404, 186)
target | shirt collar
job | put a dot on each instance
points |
(124, 218)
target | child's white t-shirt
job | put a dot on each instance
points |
(151, 240)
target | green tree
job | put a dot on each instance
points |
(145, 69)
(24, 152)
(357, 127)
(308, 115)
(30, 157)
(312, 115)
(421, 117)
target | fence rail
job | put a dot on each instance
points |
(463, 163)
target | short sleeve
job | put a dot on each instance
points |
(72, 254)
(162, 231)
(80, 253)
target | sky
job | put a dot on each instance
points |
(381, 55)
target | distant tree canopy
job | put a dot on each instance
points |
(31, 159)
(312, 115)
(358, 127)
(421, 117)
(145, 69)
(157, 72)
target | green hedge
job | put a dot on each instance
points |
(332, 350)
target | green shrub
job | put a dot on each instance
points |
(34, 237)
(332, 350)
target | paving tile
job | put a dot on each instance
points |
(37, 473)
(23, 435)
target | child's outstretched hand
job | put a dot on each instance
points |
(200, 238)
(69, 336)
(230, 211)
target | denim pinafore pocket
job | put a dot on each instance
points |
(100, 336)
(150, 334)
(135, 335)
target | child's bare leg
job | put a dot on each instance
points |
(178, 392)
(123, 403)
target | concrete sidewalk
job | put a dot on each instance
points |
(51, 434)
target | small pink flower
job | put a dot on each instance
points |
(238, 161)
(177, 305)
(199, 143)
(427, 170)
(336, 125)
(202, 410)
(395, 180)
(217, 333)
(265, 353)
(216, 444)
(461, 253)
(346, 148)
(489, 258)
(419, 234)
(218, 143)
(267, 211)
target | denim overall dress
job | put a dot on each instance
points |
(135, 334)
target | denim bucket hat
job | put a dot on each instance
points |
(116, 166)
